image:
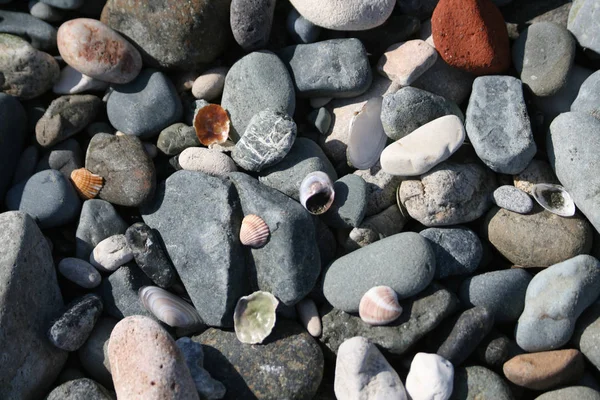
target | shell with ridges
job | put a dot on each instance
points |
(254, 231)
(168, 308)
(87, 184)
(554, 198)
(211, 124)
(254, 317)
(316, 192)
(379, 306)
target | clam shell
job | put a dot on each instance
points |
(379, 306)
(316, 192)
(254, 317)
(254, 231)
(211, 123)
(88, 185)
(367, 139)
(168, 308)
(554, 198)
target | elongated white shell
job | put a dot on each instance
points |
(367, 139)
(254, 231)
(168, 308)
(316, 192)
(254, 317)
(554, 198)
(379, 306)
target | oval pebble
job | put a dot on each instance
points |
(209, 85)
(80, 272)
(72, 329)
(309, 316)
(209, 161)
(111, 253)
(512, 199)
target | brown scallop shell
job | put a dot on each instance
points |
(379, 306)
(254, 232)
(88, 185)
(211, 123)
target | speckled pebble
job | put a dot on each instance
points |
(209, 161)
(512, 199)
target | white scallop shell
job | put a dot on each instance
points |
(254, 231)
(379, 306)
(554, 198)
(316, 192)
(367, 139)
(254, 317)
(168, 308)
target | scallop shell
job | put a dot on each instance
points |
(254, 317)
(316, 192)
(367, 139)
(168, 308)
(254, 232)
(88, 185)
(554, 198)
(211, 123)
(379, 306)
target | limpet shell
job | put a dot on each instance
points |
(254, 317)
(87, 184)
(379, 306)
(554, 198)
(366, 139)
(168, 308)
(316, 192)
(211, 123)
(254, 231)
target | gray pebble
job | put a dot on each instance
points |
(73, 328)
(176, 138)
(442, 79)
(26, 165)
(386, 223)
(45, 12)
(588, 99)
(209, 388)
(40, 34)
(80, 272)
(571, 392)
(98, 220)
(65, 4)
(477, 382)
(381, 188)
(587, 334)
(300, 29)
(458, 250)
(93, 355)
(349, 203)
(119, 292)
(64, 157)
(77, 389)
(512, 199)
(251, 22)
(320, 119)
(583, 23)
(496, 349)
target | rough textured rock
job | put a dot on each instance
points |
(79, 389)
(119, 292)
(582, 23)
(40, 34)
(352, 15)
(209, 388)
(588, 99)
(210, 161)
(477, 382)
(251, 22)
(71, 330)
(98, 220)
(404, 62)
(512, 199)
(571, 392)
(349, 204)
(538, 171)
(381, 188)
(457, 250)
(176, 138)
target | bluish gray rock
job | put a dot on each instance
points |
(26, 166)
(444, 80)
(251, 22)
(176, 138)
(502, 293)
(133, 108)
(255, 82)
(588, 99)
(64, 157)
(79, 272)
(498, 125)
(119, 292)
(477, 382)
(92, 354)
(13, 131)
(348, 278)
(320, 119)
(587, 334)
(457, 250)
(40, 34)
(77, 389)
(512, 199)
(554, 300)
(300, 29)
(208, 387)
(45, 12)
(331, 68)
(583, 23)
(48, 197)
(65, 4)
(98, 220)
(349, 203)
(71, 330)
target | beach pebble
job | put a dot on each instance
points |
(146, 362)
(320, 119)
(209, 85)
(64, 157)
(447, 81)
(476, 382)
(309, 316)
(45, 12)
(65, 4)
(582, 23)
(457, 250)
(404, 62)
(175, 138)
(13, 128)
(571, 392)
(120, 292)
(300, 29)
(349, 204)
(495, 349)
(361, 369)
(72, 81)
(80, 272)
(538, 171)
(209, 161)
(72, 329)
(386, 223)
(512, 199)
(27, 164)
(588, 99)
(381, 188)
(430, 377)
(98, 220)
(78, 389)
(111, 253)
(208, 387)
(39, 34)
(251, 22)
(353, 15)
(579, 279)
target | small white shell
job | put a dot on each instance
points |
(379, 306)
(254, 231)
(367, 139)
(554, 198)
(316, 192)
(168, 308)
(254, 317)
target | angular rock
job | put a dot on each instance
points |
(93, 354)
(387, 223)
(40, 34)
(381, 189)
(320, 119)
(582, 23)
(98, 220)
(512, 199)
(208, 387)
(251, 22)
(477, 382)
(349, 204)
(458, 250)
(13, 128)
(119, 292)
(352, 15)
(73, 328)
(588, 99)
(76, 389)
(176, 138)
(404, 62)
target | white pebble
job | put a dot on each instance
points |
(111, 253)
(209, 85)
(309, 315)
(431, 377)
(209, 161)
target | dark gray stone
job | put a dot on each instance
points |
(444, 80)
(40, 34)
(300, 29)
(325, 240)
(496, 349)
(587, 334)
(98, 220)
(571, 392)
(176, 138)
(72, 329)
(419, 8)
(387, 223)
(477, 382)
(64, 4)
(203, 242)
(583, 24)
(119, 292)
(458, 251)
(288, 265)
(251, 22)
(512, 199)
(349, 204)
(45, 12)
(331, 68)
(64, 157)
(26, 166)
(79, 272)
(80, 389)
(208, 387)
(93, 354)
(320, 119)
(588, 99)
(13, 131)
(31, 299)
(396, 29)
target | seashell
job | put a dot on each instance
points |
(168, 308)
(554, 198)
(379, 306)
(88, 185)
(254, 232)
(316, 192)
(254, 317)
(211, 123)
(366, 139)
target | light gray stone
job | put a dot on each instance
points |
(512, 199)
(583, 23)
(588, 99)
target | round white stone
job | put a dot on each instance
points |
(430, 377)
(209, 161)
(111, 253)
(209, 85)
(345, 15)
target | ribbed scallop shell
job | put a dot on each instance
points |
(211, 123)
(379, 306)
(88, 185)
(254, 317)
(168, 308)
(254, 232)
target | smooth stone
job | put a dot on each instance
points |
(146, 362)
(361, 371)
(45, 12)
(65, 117)
(257, 81)
(251, 22)
(267, 139)
(543, 56)
(409, 108)
(72, 81)
(132, 108)
(381, 188)
(111, 253)
(300, 29)
(71, 330)
(64, 157)
(349, 204)
(571, 392)
(538, 239)
(424, 148)
(573, 145)
(27, 162)
(476, 382)
(93, 354)
(352, 15)
(430, 377)
(404, 62)
(512, 199)
(449, 194)
(582, 23)
(578, 288)
(458, 250)
(587, 334)
(80, 272)
(175, 138)
(502, 293)
(65, 4)
(209, 161)
(38, 33)
(119, 292)
(290, 357)
(320, 119)
(309, 317)
(498, 125)
(588, 99)
(208, 387)
(444, 80)
(209, 85)
(98, 220)
(48, 197)
(26, 72)
(495, 349)
(330, 68)
(29, 362)
(77, 389)
(128, 171)
(288, 265)
(13, 133)
(386, 223)
(348, 278)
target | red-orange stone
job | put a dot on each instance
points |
(471, 35)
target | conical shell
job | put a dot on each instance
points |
(88, 185)
(254, 317)
(168, 308)
(254, 232)
(211, 123)
(379, 306)
(366, 139)
(316, 192)
(554, 198)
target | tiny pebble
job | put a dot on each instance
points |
(512, 199)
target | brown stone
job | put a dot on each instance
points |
(545, 370)
(471, 35)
